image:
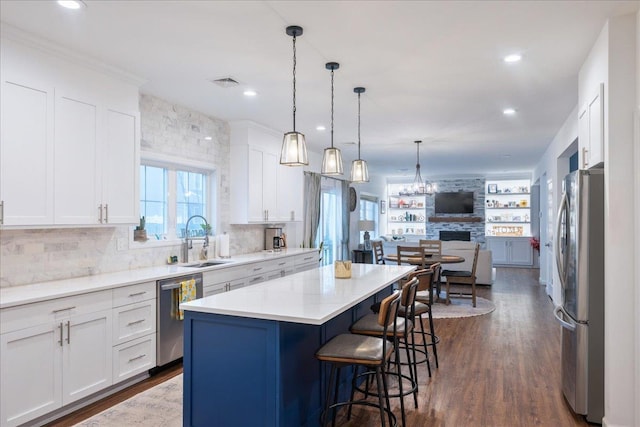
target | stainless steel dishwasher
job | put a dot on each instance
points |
(169, 343)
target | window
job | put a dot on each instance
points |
(170, 195)
(369, 211)
(153, 199)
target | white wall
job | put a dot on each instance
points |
(612, 61)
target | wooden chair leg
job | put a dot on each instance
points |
(473, 292)
(447, 301)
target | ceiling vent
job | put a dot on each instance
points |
(225, 82)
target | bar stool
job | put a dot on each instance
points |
(416, 312)
(425, 297)
(367, 325)
(371, 352)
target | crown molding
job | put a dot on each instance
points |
(33, 41)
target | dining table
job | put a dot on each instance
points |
(429, 260)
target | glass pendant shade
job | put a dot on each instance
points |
(332, 161)
(359, 171)
(294, 146)
(294, 150)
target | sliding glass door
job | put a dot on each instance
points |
(330, 228)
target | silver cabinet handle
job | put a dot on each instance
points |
(137, 357)
(106, 213)
(1, 211)
(100, 214)
(257, 269)
(137, 294)
(69, 332)
(64, 309)
(61, 338)
(257, 279)
(585, 156)
(281, 263)
(135, 322)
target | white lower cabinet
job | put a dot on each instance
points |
(48, 366)
(514, 251)
(133, 357)
(223, 280)
(31, 367)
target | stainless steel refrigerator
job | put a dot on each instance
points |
(580, 260)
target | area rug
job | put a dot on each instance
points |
(461, 307)
(160, 406)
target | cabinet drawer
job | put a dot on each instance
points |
(24, 316)
(223, 275)
(134, 357)
(133, 321)
(134, 293)
(308, 258)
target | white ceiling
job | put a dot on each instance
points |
(432, 70)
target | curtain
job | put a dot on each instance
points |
(311, 208)
(345, 221)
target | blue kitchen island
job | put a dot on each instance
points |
(249, 353)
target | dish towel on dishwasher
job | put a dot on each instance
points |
(186, 292)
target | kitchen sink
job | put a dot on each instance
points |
(206, 264)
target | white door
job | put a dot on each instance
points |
(120, 169)
(26, 154)
(31, 371)
(76, 187)
(87, 356)
(549, 247)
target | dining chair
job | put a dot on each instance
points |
(414, 255)
(433, 247)
(378, 252)
(463, 278)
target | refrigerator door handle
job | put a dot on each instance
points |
(559, 313)
(560, 263)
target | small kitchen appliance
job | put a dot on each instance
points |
(273, 238)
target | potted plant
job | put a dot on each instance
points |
(140, 234)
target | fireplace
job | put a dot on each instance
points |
(455, 235)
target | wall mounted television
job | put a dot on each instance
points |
(454, 202)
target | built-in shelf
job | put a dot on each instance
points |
(455, 219)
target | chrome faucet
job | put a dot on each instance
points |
(188, 243)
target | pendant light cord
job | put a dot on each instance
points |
(294, 82)
(332, 108)
(359, 126)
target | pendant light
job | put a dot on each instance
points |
(419, 186)
(359, 170)
(332, 158)
(294, 147)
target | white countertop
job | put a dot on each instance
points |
(26, 294)
(311, 297)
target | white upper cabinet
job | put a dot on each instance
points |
(591, 129)
(69, 148)
(262, 190)
(75, 177)
(26, 152)
(120, 168)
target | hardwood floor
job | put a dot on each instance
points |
(498, 370)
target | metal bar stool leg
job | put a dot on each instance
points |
(434, 339)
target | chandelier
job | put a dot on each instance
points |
(419, 186)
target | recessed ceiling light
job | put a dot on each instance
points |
(512, 58)
(72, 4)
(508, 111)
(320, 127)
(250, 92)
(207, 138)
